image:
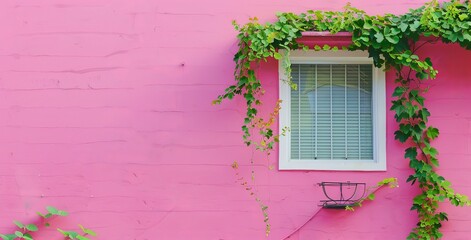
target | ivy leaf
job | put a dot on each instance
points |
(379, 37)
(397, 107)
(424, 113)
(87, 231)
(432, 132)
(62, 213)
(393, 39)
(443, 216)
(411, 178)
(411, 153)
(402, 137)
(367, 25)
(419, 199)
(420, 100)
(18, 224)
(251, 112)
(467, 36)
(32, 227)
(52, 210)
(430, 151)
(277, 55)
(398, 91)
(405, 128)
(247, 96)
(446, 184)
(421, 126)
(412, 235)
(421, 75)
(391, 181)
(8, 236)
(428, 61)
(433, 152)
(403, 27)
(27, 236)
(414, 26)
(371, 196)
(413, 93)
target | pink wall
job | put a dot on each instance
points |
(105, 112)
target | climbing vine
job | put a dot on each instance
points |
(371, 191)
(392, 42)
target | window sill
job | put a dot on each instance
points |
(329, 165)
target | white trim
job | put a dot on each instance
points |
(379, 114)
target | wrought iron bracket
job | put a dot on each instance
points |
(342, 194)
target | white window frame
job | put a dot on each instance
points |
(378, 104)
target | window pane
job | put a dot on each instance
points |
(331, 112)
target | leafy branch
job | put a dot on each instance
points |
(371, 191)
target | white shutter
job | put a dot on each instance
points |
(332, 112)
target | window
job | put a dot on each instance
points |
(336, 116)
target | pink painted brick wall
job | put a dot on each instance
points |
(105, 112)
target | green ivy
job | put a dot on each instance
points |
(370, 192)
(24, 231)
(391, 41)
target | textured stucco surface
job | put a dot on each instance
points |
(105, 111)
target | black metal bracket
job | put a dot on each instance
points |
(342, 194)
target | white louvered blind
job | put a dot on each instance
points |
(331, 112)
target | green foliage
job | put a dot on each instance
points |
(87, 231)
(391, 182)
(24, 230)
(79, 236)
(392, 41)
(370, 192)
